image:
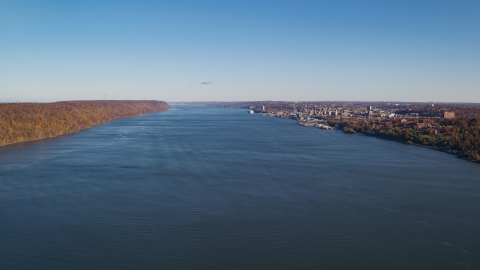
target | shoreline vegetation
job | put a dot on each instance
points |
(22, 122)
(432, 140)
(447, 127)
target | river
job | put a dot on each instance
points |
(216, 188)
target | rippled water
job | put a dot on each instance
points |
(214, 188)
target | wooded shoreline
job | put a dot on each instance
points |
(21, 122)
(447, 127)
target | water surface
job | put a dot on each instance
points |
(215, 188)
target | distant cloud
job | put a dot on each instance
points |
(206, 83)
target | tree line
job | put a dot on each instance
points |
(460, 136)
(20, 122)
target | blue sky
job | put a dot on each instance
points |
(247, 50)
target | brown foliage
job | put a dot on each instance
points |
(21, 122)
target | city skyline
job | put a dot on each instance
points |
(411, 51)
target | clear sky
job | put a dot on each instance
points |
(240, 50)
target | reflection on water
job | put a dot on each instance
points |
(214, 188)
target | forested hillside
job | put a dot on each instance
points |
(460, 136)
(21, 122)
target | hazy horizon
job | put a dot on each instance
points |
(237, 101)
(409, 51)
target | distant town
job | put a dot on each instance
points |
(452, 128)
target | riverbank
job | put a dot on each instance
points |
(22, 122)
(327, 125)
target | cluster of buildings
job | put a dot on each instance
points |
(341, 111)
(452, 128)
(319, 113)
